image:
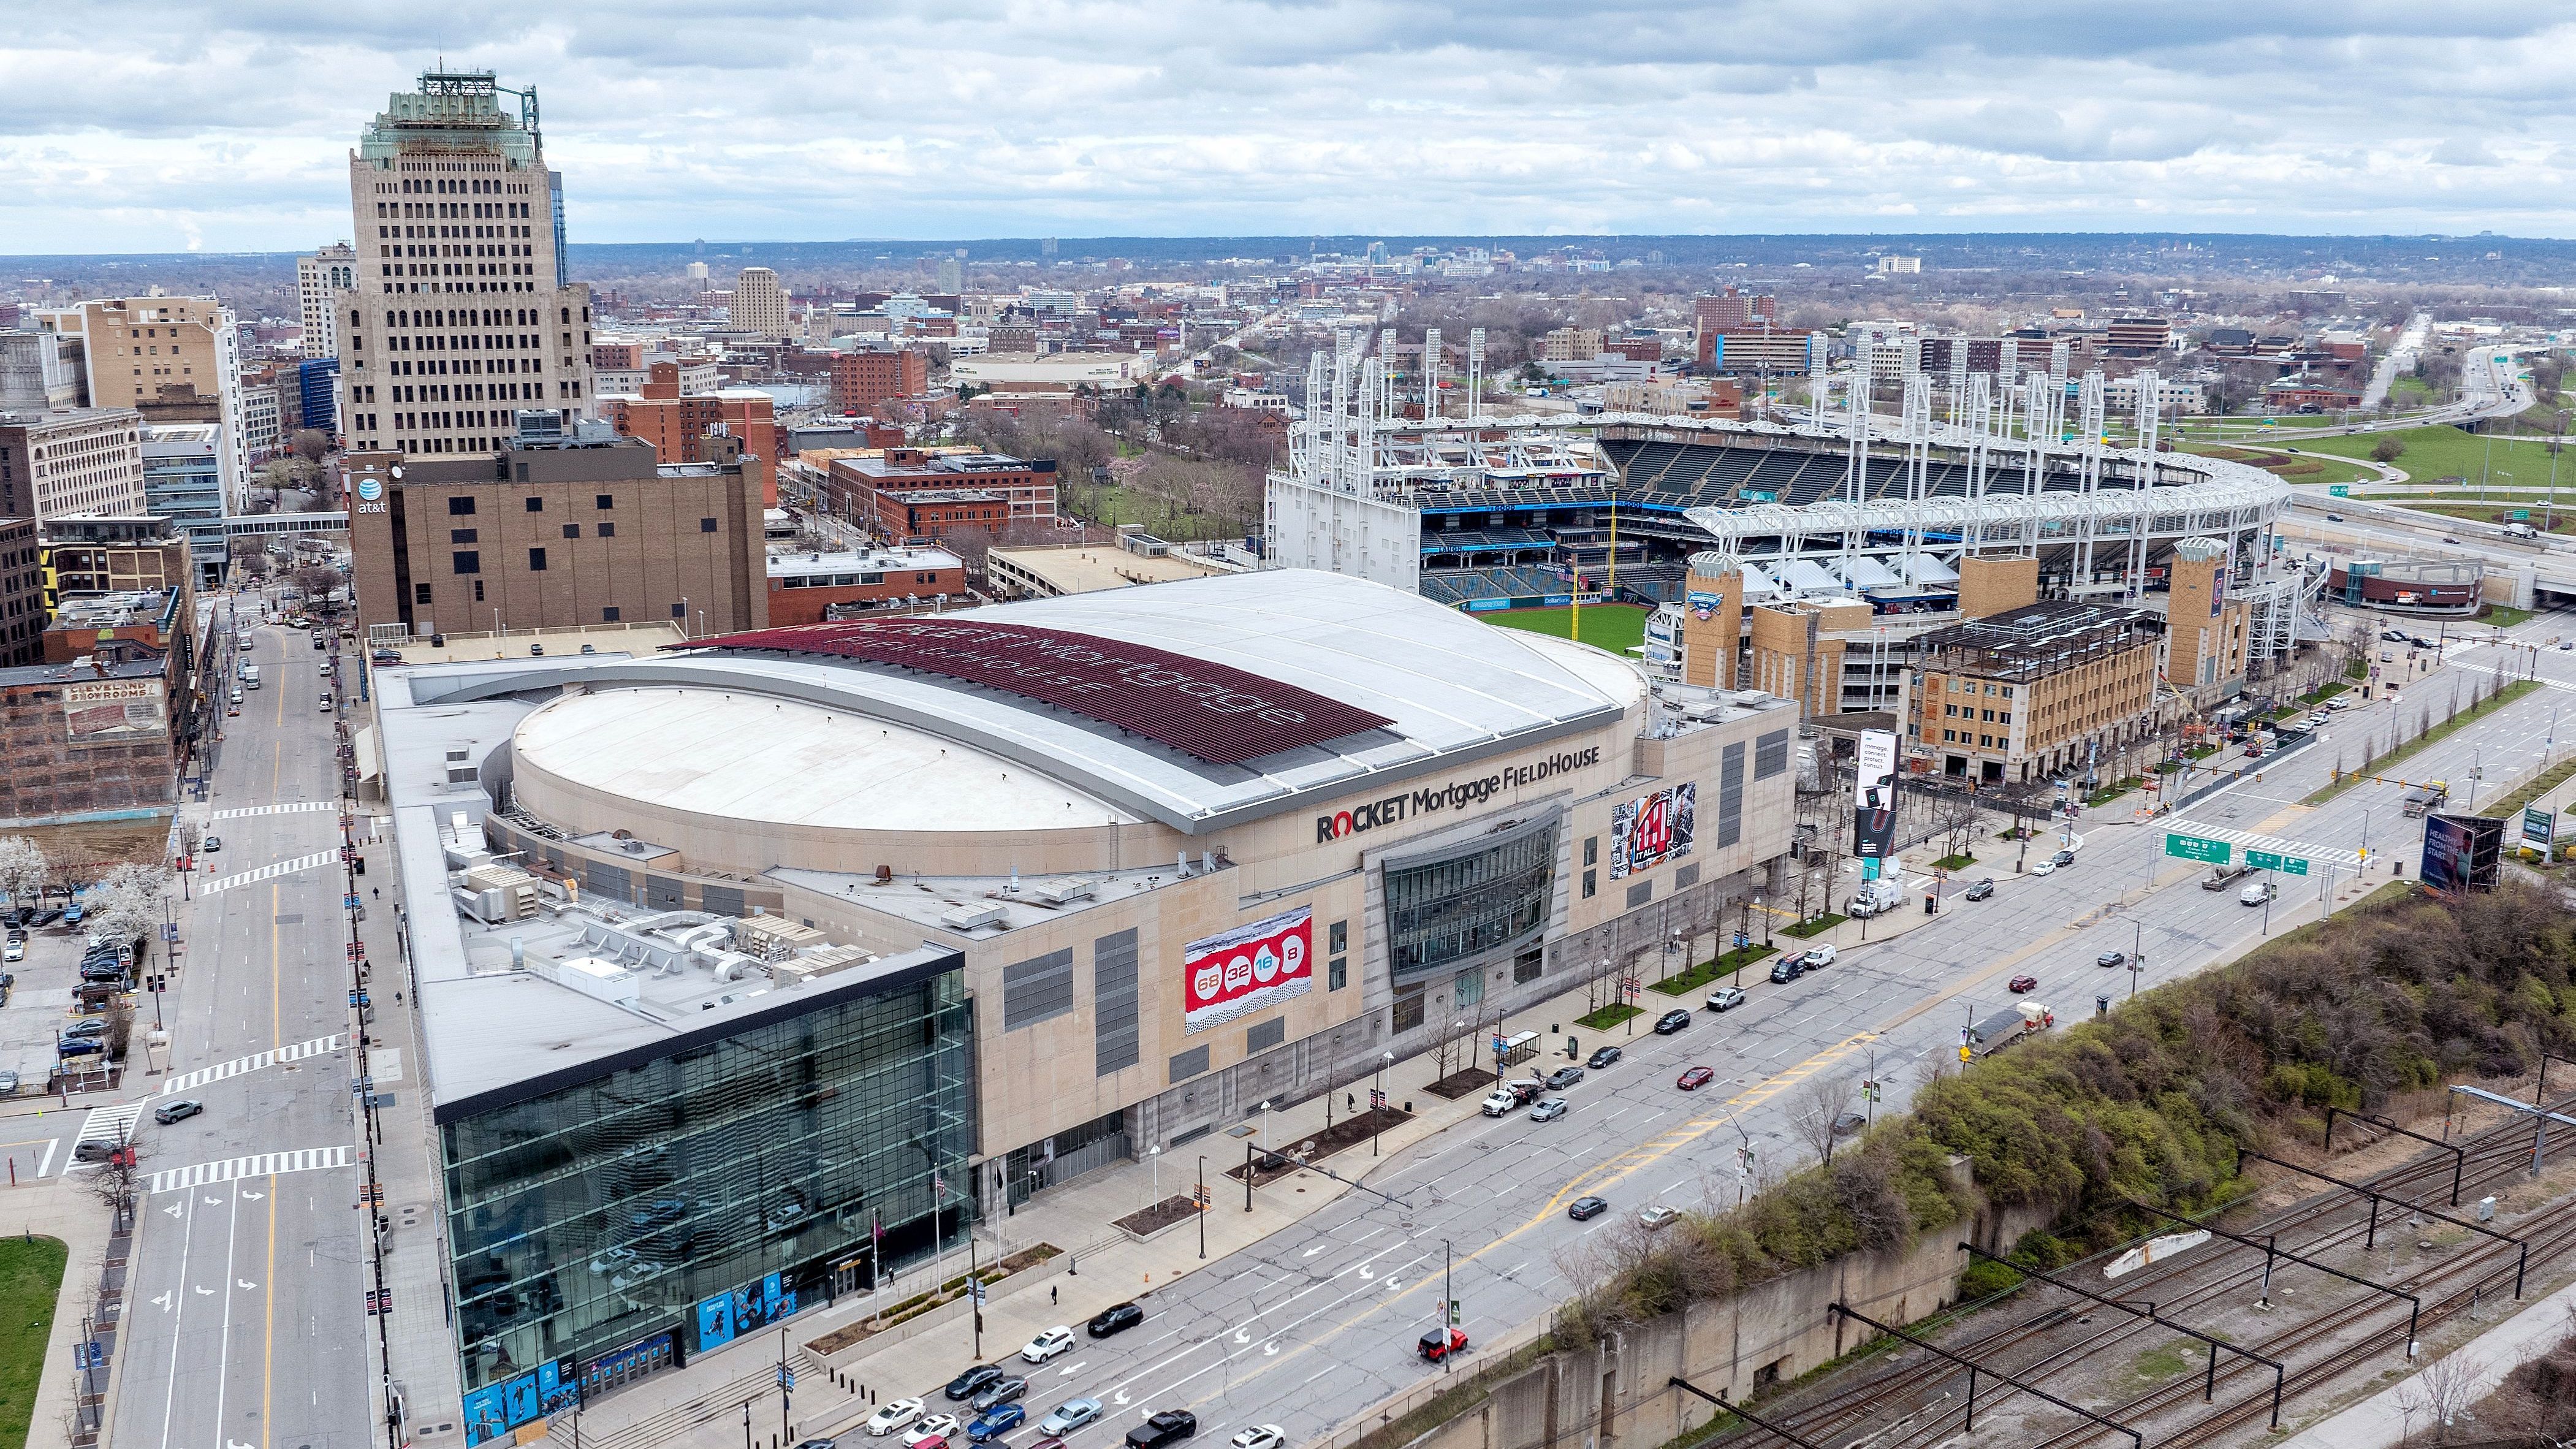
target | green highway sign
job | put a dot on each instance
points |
(2339, 490)
(2520, 515)
(2266, 860)
(2192, 847)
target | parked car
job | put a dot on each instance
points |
(1439, 1344)
(15, 950)
(1260, 1436)
(1168, 1427)
(1656, 1215)
(178, 1111)
(1564, 1077)
(1048, 1344)
(2022, 983)
(926, 1441)
(2062, 859)
(933, 1429)
(1672, 1021)
(1586, 1207)
(1116, 1318)
(995, 1422)
(1500, 1102)
(1980, 890)
(1005, 1390)
(1547, 1110)
(891, 1416)
(1786, 970)
(1694, 1078)
(83, 1030)
(211, 845)
(1726, 998)
(8, 1082)
(1070, 1415)
(2045, 867)
(1847, 1123)
(974, 1381)
(2112, 958)
(1817, 958)
(1602, 1057)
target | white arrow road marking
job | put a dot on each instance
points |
(175, 1209)
(162, 1302)
(1069, 1372)
(244, 1283)
(1365, 1274)
(205, 1292)
(252, 1196)
(1319, 1247)
(214, 1202)
(1119, 1398)
(1243, 1335)
(1270, 1350)
(1390, 1285)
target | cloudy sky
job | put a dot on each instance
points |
(150, 125)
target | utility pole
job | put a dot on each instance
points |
(1448, 1307)
(1201, 1198)
(974, 1294)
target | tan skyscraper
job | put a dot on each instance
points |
(318, 277)
(461, 315)
(173, 359)
(758, 303)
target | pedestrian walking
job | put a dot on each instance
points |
(1051, 1298)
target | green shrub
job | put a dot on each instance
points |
(1985, 1278)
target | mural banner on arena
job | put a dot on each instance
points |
(1247, 969)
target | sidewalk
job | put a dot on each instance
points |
(2473, 1370)
(702, 1405)
(59, 1208)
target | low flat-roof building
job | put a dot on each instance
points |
(1049, 570)
(808, 587)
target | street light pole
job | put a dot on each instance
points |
(1200, 1198)
(1378, 1093)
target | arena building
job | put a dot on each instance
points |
(1187, 849)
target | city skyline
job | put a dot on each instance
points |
(229, 132)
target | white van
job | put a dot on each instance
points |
(2257, 893)
(2520, 530)
(250, 676)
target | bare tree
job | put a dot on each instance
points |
(2441, 1392)
(1815, 1106)
(118, 1182)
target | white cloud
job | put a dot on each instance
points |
(141, 124)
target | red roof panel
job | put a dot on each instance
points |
(1213, 711)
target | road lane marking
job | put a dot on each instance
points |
(269, 872)
(294, 1052)
(257, 1164)
(178, 1320)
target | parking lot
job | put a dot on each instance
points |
(41, 1005)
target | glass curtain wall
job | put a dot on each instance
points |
(1453, 910)
(703, 1194)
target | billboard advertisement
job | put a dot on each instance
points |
(2461, 852)
(1247, 969)
(1874, 797)
(113, 711)
(1651, 829)
(2539, 827)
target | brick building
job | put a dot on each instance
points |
(559, 530)
(909, 493)
(2034, 691)
(86, 743)
(803, 587)
(861, 380)
(79, 460)
(681, 428)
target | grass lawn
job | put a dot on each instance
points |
(1818, 926)
(1954, 862)
(2290, 468)
(2511, 806)
(2448, 452)
(2563, 522)
(1615, 627)
(31, 1277)
(1708, 971)
(1609, 1016)
(2503, 616)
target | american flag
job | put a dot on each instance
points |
(939, 1183)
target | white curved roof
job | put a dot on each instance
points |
(745, 756)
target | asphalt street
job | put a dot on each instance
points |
(1319, 1320)
(245, 1320)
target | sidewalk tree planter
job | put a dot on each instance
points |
(1609, 1016)
(929, 1300)
(1954, 862)
(1816, 927)
(1708, 971)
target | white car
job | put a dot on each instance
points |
(1260, 1436)
(1817, 958)
(1047, 1345)
(2045, 867)
(894, 1415)
(937, 1426)
(2257, 893)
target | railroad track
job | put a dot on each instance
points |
(2491, 1154)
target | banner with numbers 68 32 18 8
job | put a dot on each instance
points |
(1247, 969)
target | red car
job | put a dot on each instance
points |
(2020, 984)
(1695, 1078)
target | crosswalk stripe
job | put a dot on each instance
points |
(2272, 843)
(220, 1071)
(291, 807)
(257, 1164)
(269, 872)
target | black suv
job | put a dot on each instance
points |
(1168, 1427)
(1787, 969)
(1672, 1021)
(1118, 1318)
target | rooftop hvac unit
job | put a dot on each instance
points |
(968, 918)
(1062, 891)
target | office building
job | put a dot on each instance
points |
(461, 315)
(861, 380)
(319, 279)
(317, 386)
(902, 494)
(693, 429)
(806, 587)
(558, 530)
(183, 482)
(82, 460)
(22, 594)
(40, 371)
(171, 359)
(262, 432)
(759, 304)
(2034, 692)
